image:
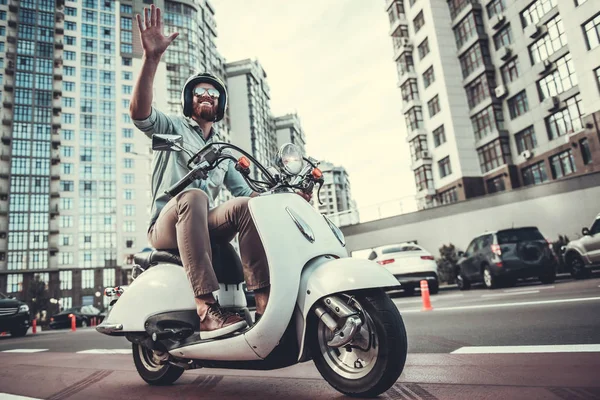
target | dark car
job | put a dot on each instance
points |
(505, 256)
(14, 316)
(83, 317)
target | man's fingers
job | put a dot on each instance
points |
(147, 17)
(159, 21)
(138, 17)
(153, 15)
(172, 36)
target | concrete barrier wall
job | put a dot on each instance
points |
(561, 207)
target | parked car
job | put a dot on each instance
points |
(410, 264)
(14, 316)
(583, 255)
(83, 317)
(506, 255)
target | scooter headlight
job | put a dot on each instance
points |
(289, 159)
(336, 231)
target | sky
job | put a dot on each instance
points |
(332, 63)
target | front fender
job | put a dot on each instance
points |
(324, 276)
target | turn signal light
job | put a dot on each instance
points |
(244, 162)
(316, 173)
(384, 262)
(427, 258)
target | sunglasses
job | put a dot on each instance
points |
(199, 92)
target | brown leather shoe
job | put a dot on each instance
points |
(217, 322)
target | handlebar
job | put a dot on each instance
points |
(190, 177)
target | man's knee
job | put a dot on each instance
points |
(194, 199)
(240, 204)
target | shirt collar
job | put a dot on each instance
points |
(194, 125)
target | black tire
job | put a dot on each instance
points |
(383, 319)
(19, 332)
(462, 281)
(152, 372)
(490, 282)
(409, 291)
(577, 266)
(549, 277)
(434, 288)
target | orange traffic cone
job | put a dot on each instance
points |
(425, 296)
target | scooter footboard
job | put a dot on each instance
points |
(325, 276)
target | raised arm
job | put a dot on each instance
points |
(154, 44)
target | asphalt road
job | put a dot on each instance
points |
(446, 358)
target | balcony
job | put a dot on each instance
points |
(60, 31)
(6, 139)
(412, 135)
(505, 53)
(404, 45)
(8, 87)
(12, 23)
(534, 31)
(7, 104)
(54, 195)
(544, 68)
(13, 7)
(57, 93)
(497, 21)
(59, 45)
(7, 122)
(410, 103)
(423, 158)
(468, 7)
(491, 136)
(406, 75)
(423, 192)
(55, 160)
(397, 23)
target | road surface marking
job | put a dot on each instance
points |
(563, 348)
(419, 300)
(24, 350)
(528, 288)
(527, 303)
(6, 396)
(105, 351)
(510, 294)
(450, 296)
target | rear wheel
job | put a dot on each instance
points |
(434, 287)
(462, 281)
(490, 281)
(20, 332)
(153, 366)
(372, 362)
(578, 270)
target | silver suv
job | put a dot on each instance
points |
(583, 255)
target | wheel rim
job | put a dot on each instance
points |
(577, 265)
(150, 359)
(487, 278)
(459, 281)
(350, 361)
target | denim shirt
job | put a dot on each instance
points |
(168, 167)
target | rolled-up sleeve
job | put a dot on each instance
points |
(235, 182)
(157, 122)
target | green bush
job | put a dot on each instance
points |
(446, 263)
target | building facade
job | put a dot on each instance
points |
(289, 130)
(497, 94)
(74, 171)
(336, 195)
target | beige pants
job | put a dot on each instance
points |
(186, 223)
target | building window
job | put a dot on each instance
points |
(597, 71)
(470, 26)
(428, 77)
(423, 48)
(434, 106)
(456, 6)
(479, 89)
(87, 279)
(550, 43)
(439, 136)
(567, 120)
(495, 7)
(419, 21)
(495, 185)
(487, 121)
(14, 283)
(475, 57)
(494, 154)
(418, 148)
(424, 178)
(66, 258)
(526, 139)
(510, 71)
(409, 90)
(503, 38)
(405, 64)
(414, 119)
(518, 105)
(536, 11)
(592, 32)
(108, 277)
(128, 163)
(534, 174)
(586, 154)
(562, 164)
(396, 12)
(448, 196)
(66, 280)
(561, 80)
(445, 168)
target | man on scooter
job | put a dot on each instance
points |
(188, 220)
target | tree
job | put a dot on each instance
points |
(40, 298)
(447, 263)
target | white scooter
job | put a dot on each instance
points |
(323, 305)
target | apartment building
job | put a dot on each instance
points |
(336, 195)
(497, 94)
(289, 130)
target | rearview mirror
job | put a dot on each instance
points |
(585, 231)
(163, 142)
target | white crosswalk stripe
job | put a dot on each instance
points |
(24, 351)
(105, 351)
(6, 396)
(565, 348)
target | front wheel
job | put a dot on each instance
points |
(153, 366)
(372, 362)
(20, 332)
(490, 281)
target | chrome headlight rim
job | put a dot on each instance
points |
(289, 159)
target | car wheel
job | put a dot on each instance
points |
(19, 332)
(578, 270)
(434, 287)
(548, 277)
(489, 280)
(462, 282)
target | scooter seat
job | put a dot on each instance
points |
(226, 262)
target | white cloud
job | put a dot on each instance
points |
(332, 63)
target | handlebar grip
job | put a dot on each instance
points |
(179, 186)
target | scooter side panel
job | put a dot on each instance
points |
(323, 277)
(287, 252)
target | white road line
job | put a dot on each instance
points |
(510, 294)
(24, 351)
(6, 396)
(105, 351)
(563, 348)
(528, 288)
(527, 303)
(443, 297)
